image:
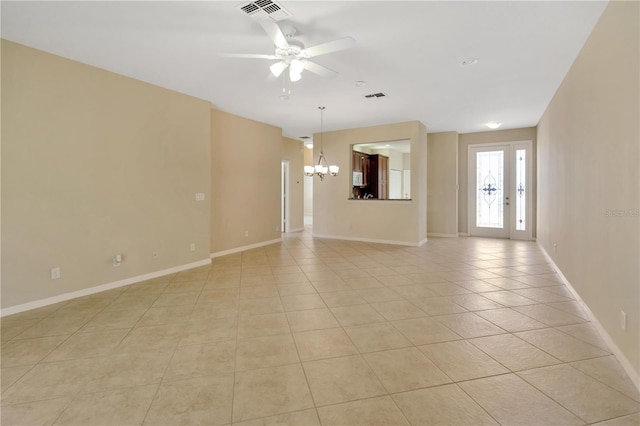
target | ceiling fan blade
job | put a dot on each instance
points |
(275, 33)
(248, 55)
(332, 46)
(319, 69)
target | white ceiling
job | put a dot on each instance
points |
(412, 51)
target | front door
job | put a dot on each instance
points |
(499, 190)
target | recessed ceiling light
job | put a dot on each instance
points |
(469, 61)
(309, 145)
(493, 124)
(360, 83)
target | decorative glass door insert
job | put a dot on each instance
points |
(490, 189)
(521, 196)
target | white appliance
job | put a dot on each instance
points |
(357, 178)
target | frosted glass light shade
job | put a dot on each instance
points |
(277, 68)
(295, 70)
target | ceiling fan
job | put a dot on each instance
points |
(292, 54)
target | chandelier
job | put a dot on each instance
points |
(322, 167)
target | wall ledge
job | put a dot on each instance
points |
(441, 235)
(626, 365)
(245, 248)
(98, 289)
(376, 201)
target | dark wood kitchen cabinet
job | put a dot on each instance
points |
(379, 176)
(357, 164)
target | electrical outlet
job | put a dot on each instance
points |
(555, 247)
(246, 233)
(623, 320)
(192, 247)
(117, 260)
(55, 273)
(199, 196)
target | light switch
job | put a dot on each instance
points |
(199, 196)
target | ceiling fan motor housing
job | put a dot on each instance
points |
(293, 51)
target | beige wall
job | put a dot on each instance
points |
(442, 184)
(496, 136)
(588, 179)
(245, 182)
(293, 152)
(95, 164)
(376, 220)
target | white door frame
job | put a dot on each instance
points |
(511, 186)
(284, 204)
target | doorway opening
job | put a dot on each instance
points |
(308, 201)
(284, 205)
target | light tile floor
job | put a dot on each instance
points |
(308, 332)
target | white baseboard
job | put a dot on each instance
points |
(437, 234)
(626, 365)
(295, 230)
(100, 288)
(371, 240)
(245, 248)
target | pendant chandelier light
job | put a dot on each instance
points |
(322, 167)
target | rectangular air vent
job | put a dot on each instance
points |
(305, 137)
(262, 9)
(375, 95)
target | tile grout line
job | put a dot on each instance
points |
(175, 349)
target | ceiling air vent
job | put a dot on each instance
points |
(262, 9)
(375, 95)
(305, 137)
